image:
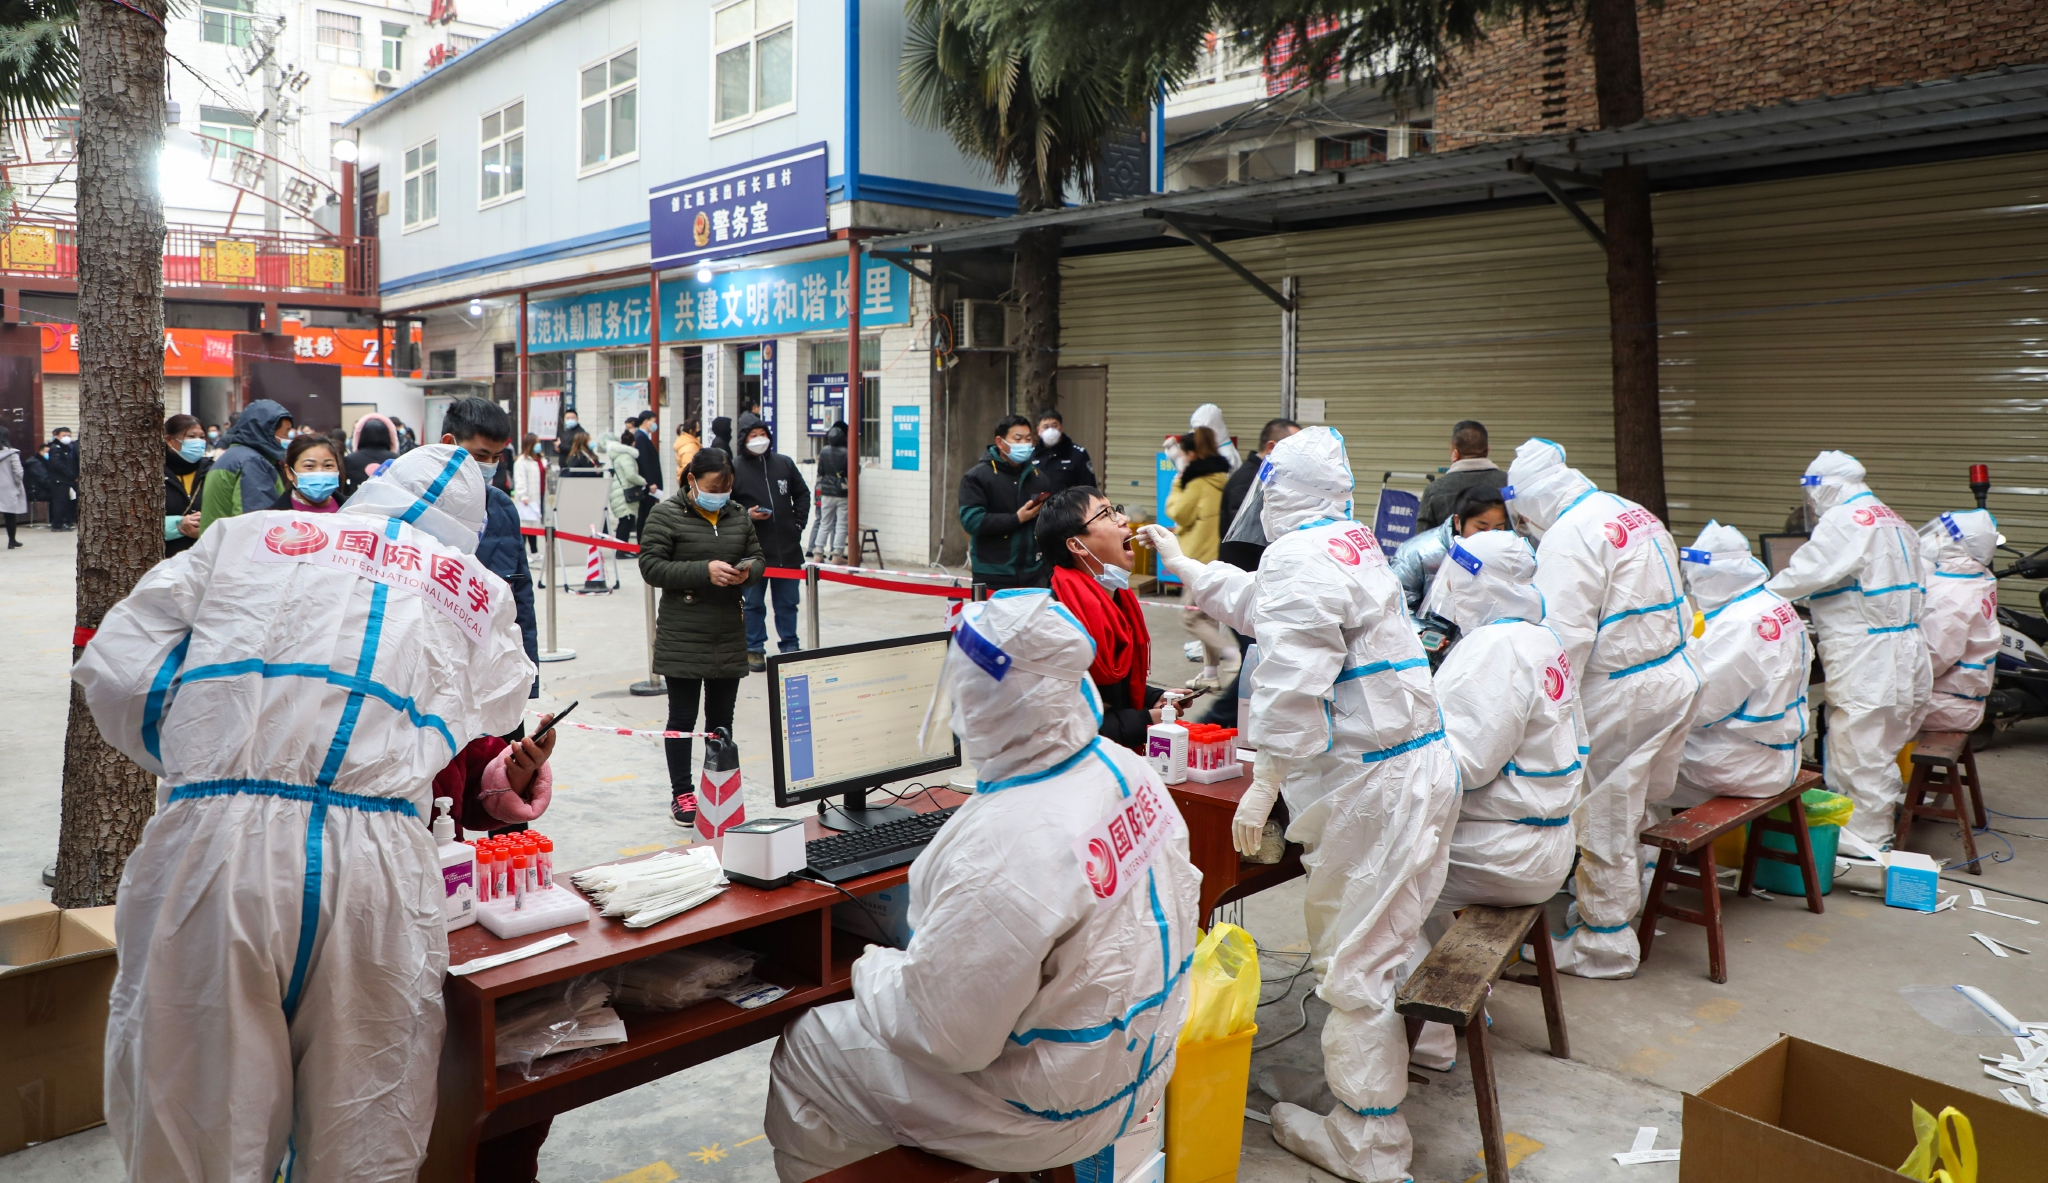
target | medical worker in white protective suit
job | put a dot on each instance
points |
(1511, 713)
(1860, 575)
(1344, 718)
(1754, 661)
(1033, 1018)
(1608, 571)
(1960, 619)
(297, 680)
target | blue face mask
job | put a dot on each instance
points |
(1019, 453)
(318, 486)
(1115, 579)
(712, 501)
(192, 450)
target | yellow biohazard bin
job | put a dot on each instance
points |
(1205, 1108)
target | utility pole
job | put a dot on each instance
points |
(273, 137)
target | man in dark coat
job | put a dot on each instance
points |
(1469, 468)
(779, 502)
(482, 428)
(1063, 463)
(650, 465)
(60, 475)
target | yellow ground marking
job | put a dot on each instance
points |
(654, 1172)
(1519, 1149)
(749, 1141)
(1720, 1010)
(650, 848)
(1645, 1061)
(1806, 942)
(609, 780)
(709, 1154)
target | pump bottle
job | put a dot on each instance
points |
(458, 868)
(1166, 746)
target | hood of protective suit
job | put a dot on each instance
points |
(437, 488)
(1307, 476)
(1015, 687)
(1832, 479)
(1210, 415)
(1541, 486)
(1967, 535)
(1718, 566)
(1486, 578)
(256, 428)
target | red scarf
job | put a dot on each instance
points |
(1123, 646)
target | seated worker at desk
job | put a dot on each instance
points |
(1033, 1017)
(1089, 542)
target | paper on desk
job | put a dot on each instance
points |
(479, 964)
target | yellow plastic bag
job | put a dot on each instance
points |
(1223, 985)
(1955, 1144)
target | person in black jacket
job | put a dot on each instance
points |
(185, 467)
(483, 429)
(650, 465)
(60, 477)
(828, 530)
(1064, 462)
(721, 434)
(1469, 469)
(374, 449)
(779, 503)
(1000, 497)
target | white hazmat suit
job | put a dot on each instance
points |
(1343, 715)
(1608, 571)
(1860, 574)
(1754, 661)
(1960, 619)
(1210, 415)
(297, 680)
(1033, 1017)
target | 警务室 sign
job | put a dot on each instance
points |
(766, 204)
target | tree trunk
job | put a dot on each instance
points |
(1631, 262)
(107, 798)
(1037, 280)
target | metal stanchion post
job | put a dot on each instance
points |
(554, 652)
(653, 685)
(980, 592)
(811, 606)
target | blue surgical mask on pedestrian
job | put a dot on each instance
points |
(192, 450)
(1019, 453)
(318, 486)
(712, 501)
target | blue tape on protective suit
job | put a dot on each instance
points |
(1688, 555)
(982, 651)
(1465, 558)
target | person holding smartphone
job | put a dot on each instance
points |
(1000, 498)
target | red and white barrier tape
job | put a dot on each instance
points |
(573, 724)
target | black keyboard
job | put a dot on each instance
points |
(855, 853)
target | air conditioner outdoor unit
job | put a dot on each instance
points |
(987, 324)
(387, 78)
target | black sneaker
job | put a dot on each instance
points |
(683, 810)
(757, 662)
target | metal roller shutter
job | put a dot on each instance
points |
(1893, 314)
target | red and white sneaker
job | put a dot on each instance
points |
(683, 810)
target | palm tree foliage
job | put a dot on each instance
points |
(38, 57)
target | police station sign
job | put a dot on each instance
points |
(766, 204)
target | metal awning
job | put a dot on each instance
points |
(1984, 113)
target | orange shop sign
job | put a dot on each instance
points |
(210, 353)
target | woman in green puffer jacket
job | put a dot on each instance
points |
(699, 548)
(623, 459)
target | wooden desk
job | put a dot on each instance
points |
(1225, 875)
(790, 928)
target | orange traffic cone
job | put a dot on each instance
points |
(593, 570)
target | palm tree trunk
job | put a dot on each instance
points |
(107, 798)
(1631, 262)
(1037, 280)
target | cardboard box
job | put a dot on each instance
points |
(1798, 1110)
(1912, 881)
(53, 1019)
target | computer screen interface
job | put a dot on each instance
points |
(848, 718)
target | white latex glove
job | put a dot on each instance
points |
(1248, 826)
(1167, 547)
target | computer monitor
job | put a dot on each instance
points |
(1778, 549)
(846, 720)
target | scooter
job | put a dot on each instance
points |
(2019, 686)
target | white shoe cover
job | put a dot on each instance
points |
(1584, 953)
(1365, 1149)
(1436, 1048)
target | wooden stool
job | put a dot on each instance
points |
(907, 1164)
(1949, 751)
(1451, 985)
(1688, 838)
(870, 539)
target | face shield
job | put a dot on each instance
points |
(1487, 578)
(1014, 687)
(1832, 479)
(1965, 536)
(1307, 477)
(1718, 567)
(1541, 486)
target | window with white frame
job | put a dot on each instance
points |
(340, 37)
(609, 94)
(753, 60)
(503, 155)
(422, 185)
(462, 43)
(227, 22)
(394, 45)
(226, 123)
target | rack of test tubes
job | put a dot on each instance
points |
(1212, 753)
(516, 889)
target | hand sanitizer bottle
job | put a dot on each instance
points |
(458, 867)
(1166, 745)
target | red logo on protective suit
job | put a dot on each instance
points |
(1343, 551)
(295, 538)
(1874, 514)
(1768, 629)
(1991, 605)
(1616, 534)
(1101, 868)
(1553, 682)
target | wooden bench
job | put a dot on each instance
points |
(1950, 752)
(1451, 986)
(907, 1164)
(1688, 838)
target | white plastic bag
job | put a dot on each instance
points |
(680, 977)
(549, 1020)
